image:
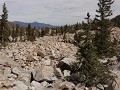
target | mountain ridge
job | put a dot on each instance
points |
(33, 24)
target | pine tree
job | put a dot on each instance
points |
(102, 37)
(65, 32)
(13, 33)
(17, 32)
(78, 35)
(76, 26)
(116, 21)
(91, 71)
(22, 34)
(33, 34)
(28, 32)
(87, 33)
(4, 32)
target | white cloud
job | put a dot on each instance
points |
(57, 12)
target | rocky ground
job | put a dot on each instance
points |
(44, 65)
(32, 65)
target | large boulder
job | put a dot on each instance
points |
(115, 85)
(23, 75)
(6, 84)
(8, 62)
(19, 85)
(80, 87)
(65, 63)
(45, 73)
(64, 85)
(36, 85)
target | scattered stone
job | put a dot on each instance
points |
(65, 63)
(37, 74)
(58, 73)
(30, 58)
(80, 87)
(37, 85)
(39, 53)
(66, 73)
(32, 66)
(47, 62)
(16, 71)
(67, 85)
(99, 86)
(8, 62)
(6, 84)
(19, 85)
(7, 71)
(22, 75)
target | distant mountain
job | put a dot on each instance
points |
(34, 24)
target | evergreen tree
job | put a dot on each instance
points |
(17, 34)
(42, 32)
(65, 32)
(33, 34)
(78, 35)
(91, 71)
(102, 37)
(76, 26)
(30, 33)
(116, 21)
(4, 32)
(22, 33)
(13, 33)
(87, 33)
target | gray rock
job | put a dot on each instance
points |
(2, 77)
(58, 73)
(7, 71)
(37, 74)
(44, 73)
(99, 86)
(19, 85)
(48, 73)
(39, 53)
(16, 71)
(22, 75)
(94, 88)
(66, 73)
(25, 77)
(45, 84)
(30, 58)
(47, 62)
(80, 87)
(36, 85)
(68, 85)
(65, 63)
(6, 84)
(8, 62)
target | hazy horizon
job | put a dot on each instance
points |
(53, 12)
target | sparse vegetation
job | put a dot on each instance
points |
(102, 37)
(91, 37)
(4, 30)
(91, 71)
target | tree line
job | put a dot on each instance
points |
(92, 72)
(10, 32)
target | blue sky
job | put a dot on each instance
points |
(55, 12)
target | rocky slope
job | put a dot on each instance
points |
(32, 65)
(45, 65)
